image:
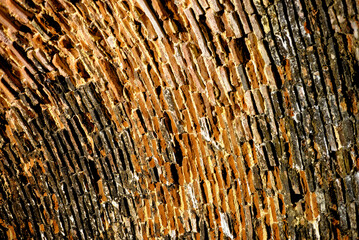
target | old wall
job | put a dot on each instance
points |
(192, 119)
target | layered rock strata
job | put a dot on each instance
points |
(193, 119)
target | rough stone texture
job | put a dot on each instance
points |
(194, 119)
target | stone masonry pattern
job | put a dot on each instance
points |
(179, 119)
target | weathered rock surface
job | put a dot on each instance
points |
(193, 119)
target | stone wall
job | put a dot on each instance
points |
(193, 119)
